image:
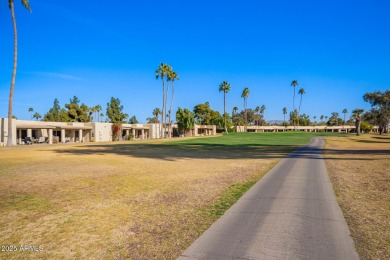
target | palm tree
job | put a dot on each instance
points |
(314, 117)
(161, 72)
(356, 113)
(98, 108)
(262, 110)
(345, 111)
(31, 110)
(294, 83)
(245, 95)
(11, 92)
(37, 115)
(257, 110)
(156, 112)
(300, 92)
(101, 115)
(322, 117)
(284, 115)
(225, 87)
(234, 113)
(172, 76)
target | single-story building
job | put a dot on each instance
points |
(64, 132)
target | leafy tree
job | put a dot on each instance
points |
(380, 109)
(37, 116)
(334, 119)
(247, 116)
(225, 87)
(12, 88)
(115, 111)
(31, 110)
(204, 115)
(76, 112)
(366, 127)
(151, 120)
(304, 120)
(185, 119)
(293, 117)
(133, 120)
(245, 95)
(56, 114)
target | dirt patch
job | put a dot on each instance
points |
(359, 168)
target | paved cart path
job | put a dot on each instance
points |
(291, 213)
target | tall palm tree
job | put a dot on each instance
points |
(31, 110)
(225, 87)
(11, 92)
(322, 117)
(284, 115)
(294, 83)
(172, 76)
(345, 111)
(245, 95)
(300, 92)
(161, 72)
(315, 117)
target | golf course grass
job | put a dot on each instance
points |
(137, 199)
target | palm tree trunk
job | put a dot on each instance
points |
(299, 110)
(246, 115)
(224, 110)
(165, 107)
(170, 109)
(294, 109)
(162, 109)
(11, 93)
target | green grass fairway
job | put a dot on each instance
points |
(256, 139)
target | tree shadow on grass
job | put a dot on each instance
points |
(172, 152)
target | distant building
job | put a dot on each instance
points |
(65, 132)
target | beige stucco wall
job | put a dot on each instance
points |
(4, 131)
(102, 132)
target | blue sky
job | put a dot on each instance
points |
(337, 50)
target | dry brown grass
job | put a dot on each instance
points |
(136, 200)
(359, 168)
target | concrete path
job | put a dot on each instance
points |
(292, 213)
